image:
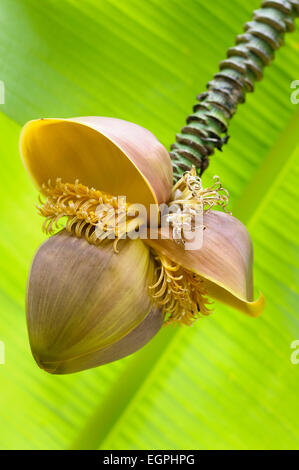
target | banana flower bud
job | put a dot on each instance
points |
(90, 303)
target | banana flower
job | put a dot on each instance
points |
(95, 296)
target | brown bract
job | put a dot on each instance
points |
(87, 305)
(224, 261)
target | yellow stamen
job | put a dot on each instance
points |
(189, 191)
(179, 292)
(194, 201)
(86, 212)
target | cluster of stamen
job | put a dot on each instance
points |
(188, 191)
(180, 293)
(85, 212)
(97, 215)
(193, 201)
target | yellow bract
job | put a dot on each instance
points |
(108, 154)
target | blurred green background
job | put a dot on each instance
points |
(227, 382)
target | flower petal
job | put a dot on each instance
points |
(112, 155)
(224, 261)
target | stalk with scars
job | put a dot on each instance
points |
(94, 299)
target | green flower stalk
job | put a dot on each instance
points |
(206, 128)
(98, 290)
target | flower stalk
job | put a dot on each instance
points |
(206, 128)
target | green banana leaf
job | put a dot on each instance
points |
(228, 382)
